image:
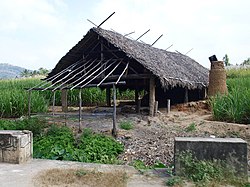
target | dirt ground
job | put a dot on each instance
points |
(152, 138)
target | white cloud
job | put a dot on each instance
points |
(210, 27)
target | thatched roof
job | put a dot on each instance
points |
(170, 68)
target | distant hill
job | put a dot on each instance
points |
(8, 71)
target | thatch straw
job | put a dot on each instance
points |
(172, 69)
(217, 79)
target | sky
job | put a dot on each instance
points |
(37, 33)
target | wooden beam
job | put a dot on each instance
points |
(151, 95)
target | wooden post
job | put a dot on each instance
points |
(114, 132)
(108, 100)
(53, 103)
(80, 110)
(156, 108)
(186, 95)
(137, 100)
(168, 105)
(29, 104)
(138, 107)
(151, 95)
(64, 100)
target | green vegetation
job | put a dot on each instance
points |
(191, 127)
(14, 97)
(238, 73)
(208, 173)
(59, 143)
(139, 165)
(126, 125)
(35, 125)
(234, 107)
(174, 181)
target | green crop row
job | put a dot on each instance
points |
(235, 106)
(14, 97)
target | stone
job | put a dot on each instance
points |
(15, 146)
(231, 150)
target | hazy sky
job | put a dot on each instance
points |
(37, 33)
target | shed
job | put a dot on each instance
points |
(104, 56)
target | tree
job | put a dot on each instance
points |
(25, 73)
(226, 60)
(246, 62)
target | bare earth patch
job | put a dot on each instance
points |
(80, 177)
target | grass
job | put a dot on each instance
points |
(81, 177)
(126, 125)
(191, 127)
(234, 107)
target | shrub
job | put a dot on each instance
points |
(35, 125)
(99, 148)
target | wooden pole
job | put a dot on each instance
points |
(108, 96)
(114, 131)
(137, 100)
(186, 96)
(80, 110)
(29, 104)
(151, 95)
(64, 100)
(168, 105)
(53, 103)
(156, 108)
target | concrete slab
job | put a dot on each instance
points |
(231, 150)
(22, 175)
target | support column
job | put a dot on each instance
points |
(137, 105)
(108, 100)
(80, 110)
(64, 100)
(151, 95)
(186, 96)
(29, 104)
(114, 132)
